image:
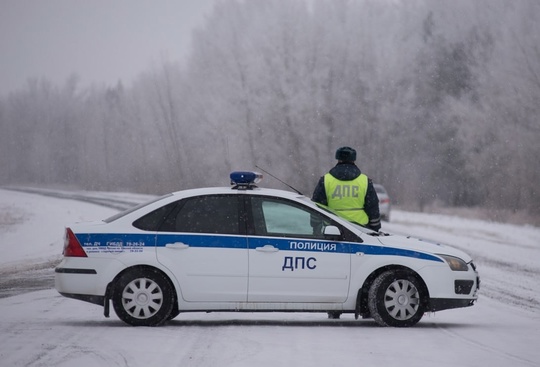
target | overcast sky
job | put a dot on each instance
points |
(102, 41)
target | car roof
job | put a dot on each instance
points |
(231, 190)
(178, 195)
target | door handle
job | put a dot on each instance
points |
(177, 245)
(267, 248)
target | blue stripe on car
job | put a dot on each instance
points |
(117, 240)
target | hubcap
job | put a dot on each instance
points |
(402, 299)
(142, 298)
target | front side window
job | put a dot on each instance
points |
(277, 217)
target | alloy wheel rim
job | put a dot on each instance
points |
(142, 298)
(402, 299)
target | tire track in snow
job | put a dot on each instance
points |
(512, 358)
(25, 278)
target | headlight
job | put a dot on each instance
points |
(455, 263)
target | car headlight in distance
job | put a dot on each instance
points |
(455, 263)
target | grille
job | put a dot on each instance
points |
(463, 286)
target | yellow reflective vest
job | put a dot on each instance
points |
(347, 197)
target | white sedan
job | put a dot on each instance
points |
(384, 202)
(244, 248)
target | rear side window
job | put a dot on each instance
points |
(131, 210)
(206, 214)
(153, 220)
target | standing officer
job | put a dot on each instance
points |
(349, 192)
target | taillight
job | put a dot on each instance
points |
(384, 201)
(72, 246)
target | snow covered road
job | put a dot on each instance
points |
(42, 328)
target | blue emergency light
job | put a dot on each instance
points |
(245, 178)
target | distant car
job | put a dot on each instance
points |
(244, 248)
(384, 202)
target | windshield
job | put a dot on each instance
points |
(356, 225)
(327, 209)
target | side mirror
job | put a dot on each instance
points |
(332, 231)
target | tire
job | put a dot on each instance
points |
(397, 298)
(175, 312)
(143, 297)
(334, 315)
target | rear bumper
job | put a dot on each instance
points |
(97, 300)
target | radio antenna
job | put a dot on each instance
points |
(283, 182)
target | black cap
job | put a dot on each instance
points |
(346, 154)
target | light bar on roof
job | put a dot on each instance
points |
(245, 177)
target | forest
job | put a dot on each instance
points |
(441, 100)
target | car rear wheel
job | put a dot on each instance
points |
(396, 298)
(143, 297)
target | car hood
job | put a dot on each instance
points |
(410, 243)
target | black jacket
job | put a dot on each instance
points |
(348, 171)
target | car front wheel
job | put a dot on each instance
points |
(396, 298)
(143, 297)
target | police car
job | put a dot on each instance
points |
(245, 248)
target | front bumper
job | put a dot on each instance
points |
(451, 289)
(439, 304)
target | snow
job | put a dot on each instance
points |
(42, 328)
(32, 226)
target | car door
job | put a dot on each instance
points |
(290, 260)
(203, 243)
